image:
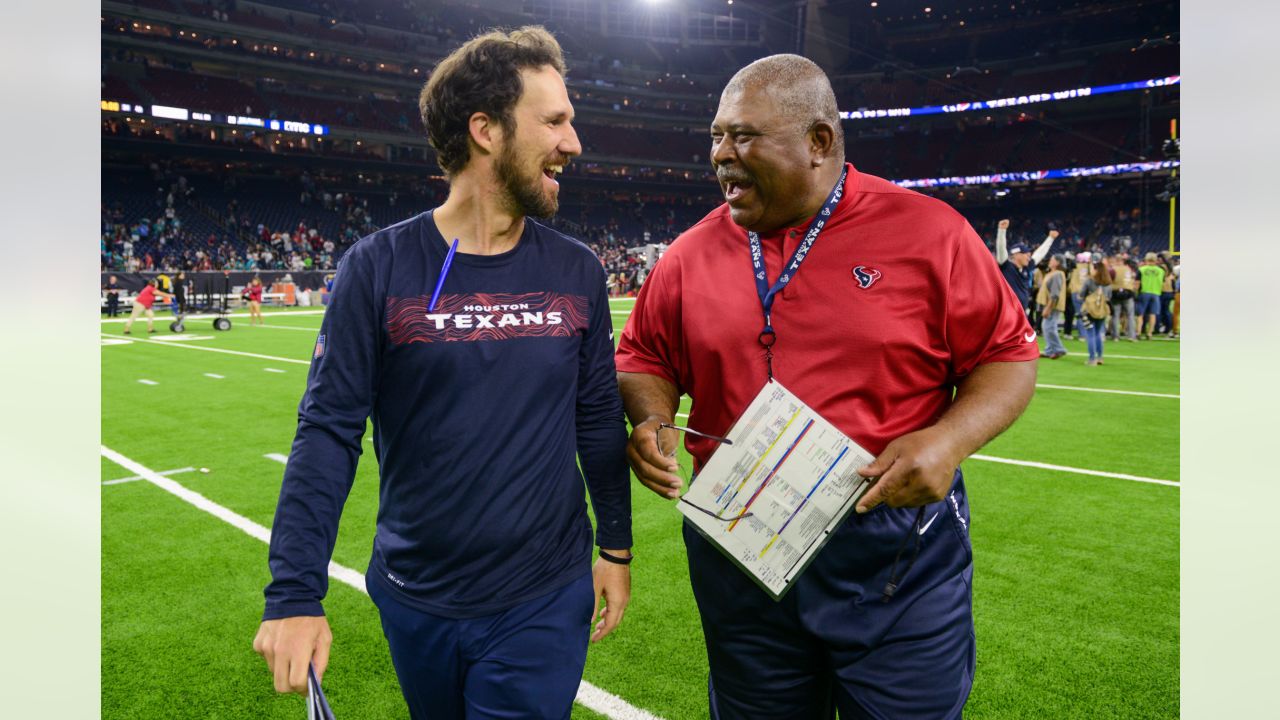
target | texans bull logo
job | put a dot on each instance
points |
(865, 277)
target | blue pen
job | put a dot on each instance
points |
(448, 260)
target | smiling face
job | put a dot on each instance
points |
(539, 145)
(763, 160)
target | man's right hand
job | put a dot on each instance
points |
(290, 645)
(1003, 224)
(655, 469)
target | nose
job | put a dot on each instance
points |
(569, 145)
(722, 151)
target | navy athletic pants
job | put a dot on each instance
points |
(523, 663)
(832, 642)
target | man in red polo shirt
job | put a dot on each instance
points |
(874, 305)
(142, 304)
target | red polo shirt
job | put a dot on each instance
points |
(897, 300)
(147, 297)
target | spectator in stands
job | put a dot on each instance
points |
(487, 595)
(1095, 311)
(1052, 301)
(1152, 282)
(113, 296)
(142, 305)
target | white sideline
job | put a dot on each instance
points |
(282, 459)
(230, 352)
(308, 362)
(215, 376)
(1060, 468)
(148, 382)
(1078, 471)
(1112, 392)
(589, 696)
(274, 370)
(133, 478)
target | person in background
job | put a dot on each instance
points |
(1165, 326)
(1098, 281)
(1052, 300)
(1177, 300)
(1152, 275)
(1016, 262)
(180, 293)
(113, 296)
(254, 293)
(1079, 273)
(142, 305)
(1122, 316)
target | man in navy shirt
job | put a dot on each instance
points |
(484, 399)
(1016, 262)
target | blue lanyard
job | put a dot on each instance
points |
(768, 294)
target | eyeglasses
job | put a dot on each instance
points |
(684, 470)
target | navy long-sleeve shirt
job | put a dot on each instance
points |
(480, 410)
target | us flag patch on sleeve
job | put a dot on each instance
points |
(319, 347)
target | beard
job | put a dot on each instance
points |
(524, 194)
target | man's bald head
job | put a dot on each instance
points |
(799, 88)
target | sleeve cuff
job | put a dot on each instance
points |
(278, 610)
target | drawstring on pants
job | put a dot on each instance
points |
(895, 579)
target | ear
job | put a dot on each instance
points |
(822, 142)
(484, 131)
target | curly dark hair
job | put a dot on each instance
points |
(481, 76)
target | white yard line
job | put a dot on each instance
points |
(590, 696)
(1078, 471)
(1112, 392)
(180, 338)
(274, 370)
(148, 382)
(233, 352)
(215, 376)
(207, 316)
(134, 478)
(609, 705)
(282, 459)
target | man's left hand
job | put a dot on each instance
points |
(916, 469)
(612, 582)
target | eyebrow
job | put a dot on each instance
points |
(736, 127)
(558, 115)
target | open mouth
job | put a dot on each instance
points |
(735, 189)
(551, 171)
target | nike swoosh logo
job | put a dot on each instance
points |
(1030, 337)
(926, 525)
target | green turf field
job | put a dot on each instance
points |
(1075, 585)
